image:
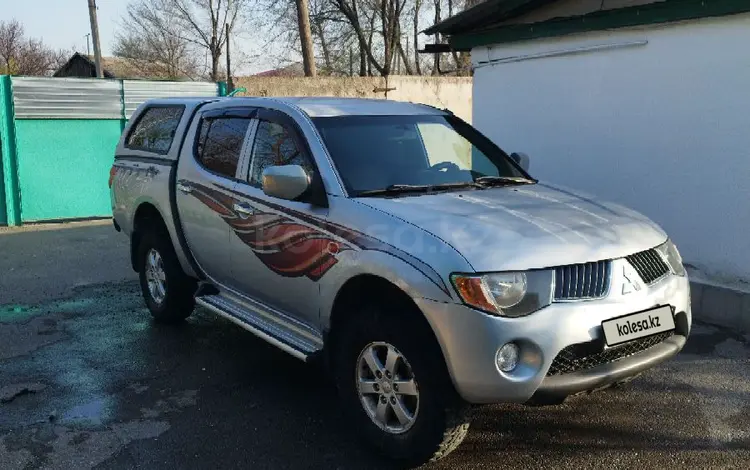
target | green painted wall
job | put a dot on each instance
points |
(63, 167)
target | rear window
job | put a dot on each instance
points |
(155, 129)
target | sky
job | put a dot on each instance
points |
(63, 24)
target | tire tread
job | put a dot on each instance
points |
(180, 302)
(456, 414)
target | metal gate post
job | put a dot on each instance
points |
(8, 151)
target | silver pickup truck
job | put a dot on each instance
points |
(424, 267)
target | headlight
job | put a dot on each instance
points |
(669, 252)
(510, 294)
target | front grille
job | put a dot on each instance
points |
(587, 355)
(649, 265)
(582, 281)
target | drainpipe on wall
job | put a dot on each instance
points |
(123, 112)
(221, 88)
(11, 194)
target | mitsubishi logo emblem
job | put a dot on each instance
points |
(630, 283)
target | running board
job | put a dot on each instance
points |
(288, 335)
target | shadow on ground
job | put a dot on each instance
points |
(119, 391)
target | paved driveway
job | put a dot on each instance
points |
(88, 381)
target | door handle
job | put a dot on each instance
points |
(184, 187)
(242, 209)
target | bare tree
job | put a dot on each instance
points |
(383, 36)
(151, 38)
(388, 15)
(463, 59)
(20, 55)
(331, 35)
(415, 22)
(204, 23)
(182, 30)
(11, 38)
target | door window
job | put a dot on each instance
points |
(275, 145)
(220, 144)
(155, 129)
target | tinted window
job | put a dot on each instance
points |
(155, 129)
(275, 145)
(220, 144)
(375, 152)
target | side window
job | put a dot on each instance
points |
(155, 129)
(220, 143)
(275, 145)
(442, 146)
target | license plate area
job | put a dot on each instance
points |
(638, 325)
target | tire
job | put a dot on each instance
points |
(441, 418)
(176, 302)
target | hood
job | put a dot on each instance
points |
(525, 227)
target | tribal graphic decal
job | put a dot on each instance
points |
(291, 248)
(285, 246)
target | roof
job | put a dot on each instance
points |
(327, 107)
(482, 14)
(330, 107)
(501, 21)
(117, 67)
(291, 70)
(69, 69)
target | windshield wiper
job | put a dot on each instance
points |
(503, 180)
(417, 188)
(395, 189)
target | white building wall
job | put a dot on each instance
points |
(663, 127)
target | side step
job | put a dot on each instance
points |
(285, 333)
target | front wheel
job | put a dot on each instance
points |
(396, 389)
(167, 290)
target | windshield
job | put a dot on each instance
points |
(374, 153)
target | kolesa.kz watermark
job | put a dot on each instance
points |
(637, 326)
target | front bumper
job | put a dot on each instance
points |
(470, 339)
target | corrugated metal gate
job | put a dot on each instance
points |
(58, 138)
(135, 92)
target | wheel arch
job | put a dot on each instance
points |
(368, 287)
(147, 214)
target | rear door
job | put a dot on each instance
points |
(206, 177)
(278, 249)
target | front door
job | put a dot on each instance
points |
(205, 181)
(277, 251)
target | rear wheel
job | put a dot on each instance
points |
(394, 385)
(167, 290)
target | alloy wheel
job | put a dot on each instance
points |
(387, 387)
(156, 277)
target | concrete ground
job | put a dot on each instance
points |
(41, 262)
(88, 381)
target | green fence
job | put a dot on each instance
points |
(58, 138)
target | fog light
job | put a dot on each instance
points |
(507, 357)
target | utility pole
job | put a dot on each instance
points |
(230, 85)
(88, 43)
(305, 36)
(95, 37)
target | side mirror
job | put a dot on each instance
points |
(286, 181)
(522, 159)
